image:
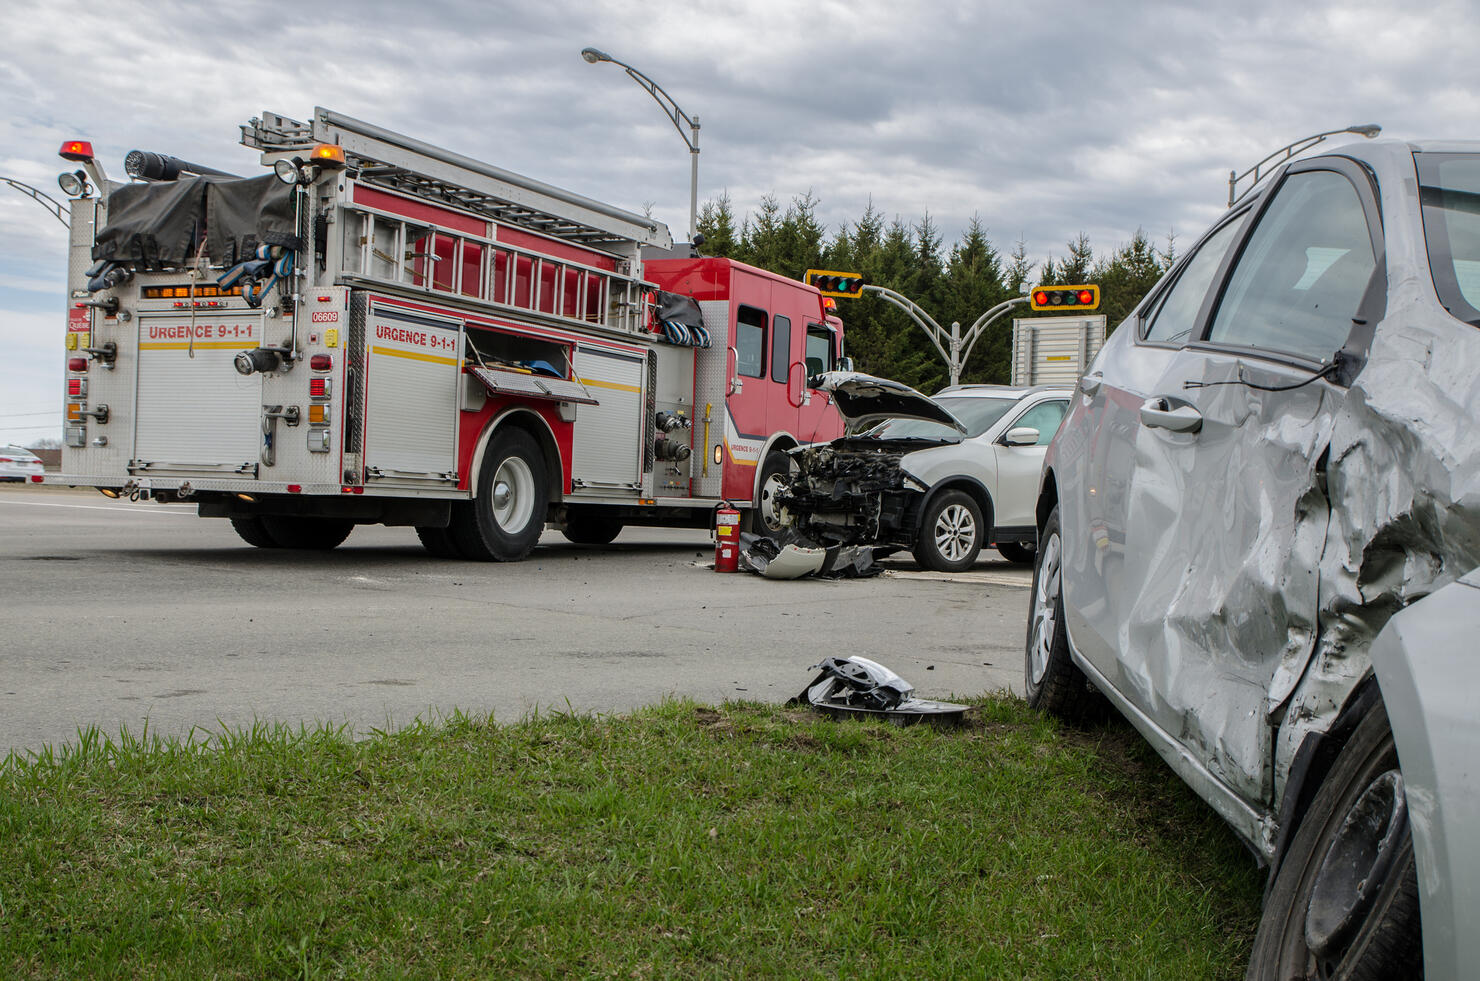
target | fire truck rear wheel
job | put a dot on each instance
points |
(507, 514)
(587, 528)
(253, 533)
(438, 541)
(315, 534)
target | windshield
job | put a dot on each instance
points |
(976, 414)
(1450, 194)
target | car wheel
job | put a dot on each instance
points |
(1344, 903)
(1052, 680)
(507, 514)
(765, 517)
(1019, 552)
(950, 533)
(590, 528)
(315, 534)
(438, 541)
(253, 532)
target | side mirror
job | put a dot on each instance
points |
(845, 364)
(1021, 436)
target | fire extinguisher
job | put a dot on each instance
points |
(726, 539)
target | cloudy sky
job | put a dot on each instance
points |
(1044, 119)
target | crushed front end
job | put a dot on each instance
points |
(852, 491)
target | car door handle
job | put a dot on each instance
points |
(1090, 384)
(1163, 412)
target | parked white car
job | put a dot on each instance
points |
(18, 463)
(942, 477)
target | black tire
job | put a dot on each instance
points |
(1019, 552)
(590, 527)
(507, 514)
(1053, 682)
(253, 533)
(1317, 921)
(763, 518)
(951, 532)
(313, 534)
(438, 541)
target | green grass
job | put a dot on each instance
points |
(684, 841)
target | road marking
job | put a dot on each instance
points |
(98, 507)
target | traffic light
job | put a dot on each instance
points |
(832, 283)
(1064, 298)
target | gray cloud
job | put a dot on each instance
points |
(1045, 120)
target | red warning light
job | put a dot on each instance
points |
(76, 150)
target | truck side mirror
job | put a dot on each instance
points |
(845, 364)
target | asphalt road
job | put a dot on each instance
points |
(116, 614)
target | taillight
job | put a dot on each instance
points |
(76, 388)
(318, 388)
(321, 362)
(76, 364)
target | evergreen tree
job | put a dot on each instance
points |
(1127, 277)
(717, 222)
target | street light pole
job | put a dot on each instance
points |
(42, 198)
(1369, 130)
(954, 346)
(677, 116)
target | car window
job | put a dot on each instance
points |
(750, 342)
(1044, 417)
(1302, 274)
(1450, 194)
(976, 414)
(1175, 315)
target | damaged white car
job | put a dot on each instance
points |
(942, 477)
(1258, 530)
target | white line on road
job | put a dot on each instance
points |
(128, 509)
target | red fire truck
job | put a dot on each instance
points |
(383, 331)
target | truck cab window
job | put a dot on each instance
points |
(780, 348)
(750, 342)
(820, 350)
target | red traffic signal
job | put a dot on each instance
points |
(1065, 298)
(832, 283)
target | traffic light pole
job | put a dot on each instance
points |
(948, 342)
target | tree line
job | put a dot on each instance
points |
(956, 284)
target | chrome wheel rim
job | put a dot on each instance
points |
(1045, 602)
(770, 513)
(955, 532)
(513, 494)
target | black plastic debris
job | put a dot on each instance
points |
(787, 555)
(848, 687)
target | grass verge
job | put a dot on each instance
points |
(683, 841)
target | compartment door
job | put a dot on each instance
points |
(411, 396)
(606, 452)
(195, 411)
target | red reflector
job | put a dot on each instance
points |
(320, 362)
(76, 364)
(76, 150)
(316, 388)
(36, 478)
(1085, 296)
(295, 488)
(325, 299)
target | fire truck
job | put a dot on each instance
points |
(379, 330)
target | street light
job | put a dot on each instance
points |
(1369, 130)
(57, 209)
(677, 116)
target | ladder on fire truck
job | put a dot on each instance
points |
(380, 158)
